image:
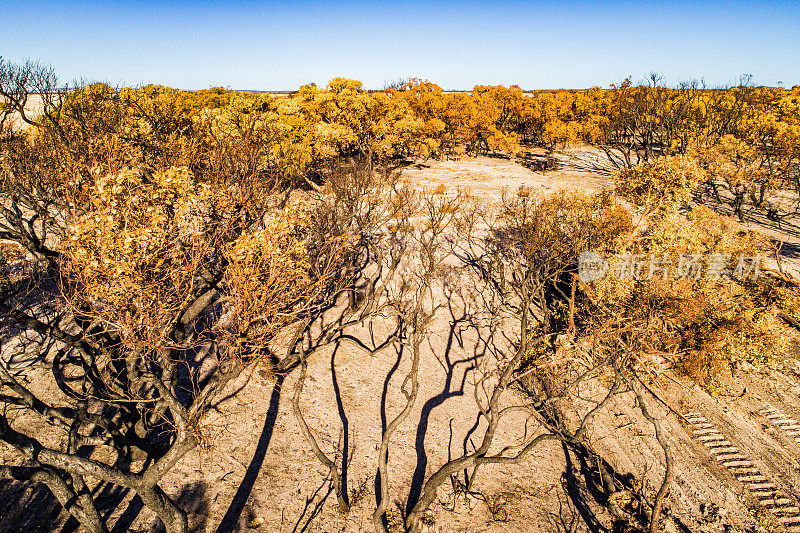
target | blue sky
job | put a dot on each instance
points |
(281, 45)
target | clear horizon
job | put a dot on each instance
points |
(274, 46)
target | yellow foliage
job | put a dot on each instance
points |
(666, 181)
(706, 325)
(137, 251)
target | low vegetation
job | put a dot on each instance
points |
(158, 244)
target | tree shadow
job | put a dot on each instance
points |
(345, 423)
(418, 477)
(26, 506)
(384, 422)
(787, 249)
(577, 492)
(31, 506)
(786, 225)
(586, 164)
(192, 499)
(234, 512)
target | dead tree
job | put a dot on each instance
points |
(508, 281)
(415, 305)
(371, 208)
(524, 299)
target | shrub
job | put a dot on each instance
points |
(665, 182)
(706, 325)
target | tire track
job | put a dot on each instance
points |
(782, 421)
(765, 491)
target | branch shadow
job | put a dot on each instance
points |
(126, 519)
(384, 422)
(234, 512)
(418, 478)
(345, 424)
(28, 506)
(313, 507)
(586, 164)
(577, 493)
(31, 506)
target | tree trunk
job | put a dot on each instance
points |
(173, 517)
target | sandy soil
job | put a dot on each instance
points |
(488, 177)
(260, 474)
(33, 108)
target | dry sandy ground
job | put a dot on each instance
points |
(487, 177)
(260, 474)
(33, 108)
